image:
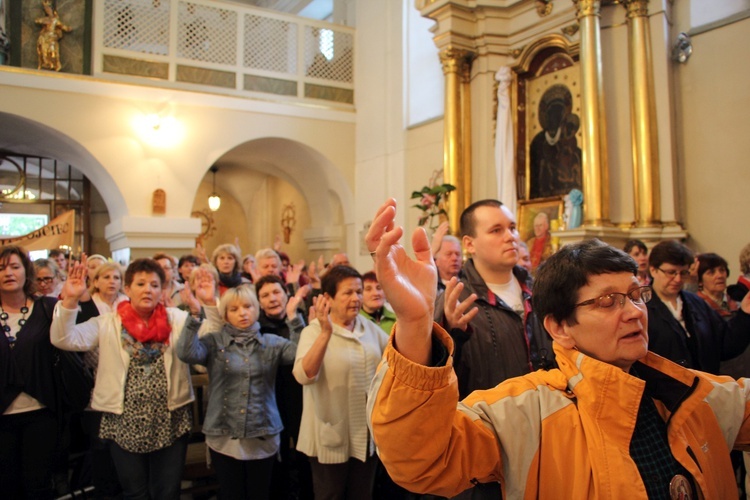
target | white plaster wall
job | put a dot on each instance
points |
(100, 117)
(380, 135)
(712, 138)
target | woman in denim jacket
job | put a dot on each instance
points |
(242, 424)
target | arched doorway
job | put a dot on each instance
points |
(258, 179)
(56, 160)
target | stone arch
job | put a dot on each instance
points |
(328, 196)
(25, 136)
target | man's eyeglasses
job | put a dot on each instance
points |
(637, 296)
(671, 273)
(45, 281)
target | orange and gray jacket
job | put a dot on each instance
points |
(562, 433)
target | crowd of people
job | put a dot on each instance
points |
(549, 352)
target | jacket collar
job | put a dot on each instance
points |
(610, 397)
(477, 284)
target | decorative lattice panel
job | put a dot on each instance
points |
(207, 34)
(329, 54)
(270, 44)
(137, 25)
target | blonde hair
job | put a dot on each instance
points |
(107, 266)
(240, 293)
(231, 250)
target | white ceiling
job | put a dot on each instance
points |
(314, 9)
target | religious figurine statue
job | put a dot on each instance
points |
(48, 43)
(573, 208)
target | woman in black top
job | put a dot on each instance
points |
(28, 402)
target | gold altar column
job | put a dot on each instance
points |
(644, 136)
(593, 124)
(456, 137)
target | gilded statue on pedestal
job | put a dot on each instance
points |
(48, 43)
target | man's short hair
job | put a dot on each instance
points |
(55, 252)
(469, 222)
(558, 279)
(330, 282)
(670, 252)
(745, 259)
(451, 238)
(144, 266)
(630, 244)
(267, 253)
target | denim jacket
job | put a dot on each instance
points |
(242, 401)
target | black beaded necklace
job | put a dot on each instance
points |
(6, 327)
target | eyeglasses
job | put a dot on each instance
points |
(671, 273)
(45, 281)
(637, 296)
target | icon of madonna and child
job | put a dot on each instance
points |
(555, 157)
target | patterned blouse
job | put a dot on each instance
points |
(146, 424)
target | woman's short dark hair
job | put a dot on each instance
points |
(670, 252)
(144, 266)
(334, 276)
(269, 279)
(29, 287)
(708, 261)
(188, 258)
(630, 244)
(558, 280)
(370, 276)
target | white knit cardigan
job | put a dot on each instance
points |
(334, 421)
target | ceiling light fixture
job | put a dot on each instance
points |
(214, 201)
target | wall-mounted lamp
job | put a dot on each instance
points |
(682, 49)
(159, 130)
(214, 201)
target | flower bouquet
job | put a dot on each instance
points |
(432, 203)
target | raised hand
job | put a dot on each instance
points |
(293, 272)
(322, 306)
(458, 314)
(190, 300)
(200, 252)
(312, 272)
(205, 287)
(75, 286)
(437, 238)
(297, 299)
(409, 284)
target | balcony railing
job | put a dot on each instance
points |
(220, 47)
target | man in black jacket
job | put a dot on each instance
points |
(682, 327)
(488, 311)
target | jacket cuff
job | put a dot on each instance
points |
(420, 377)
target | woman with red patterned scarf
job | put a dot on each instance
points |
(142, 388)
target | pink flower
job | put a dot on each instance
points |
(428, 200)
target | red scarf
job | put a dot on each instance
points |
(159, 328)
